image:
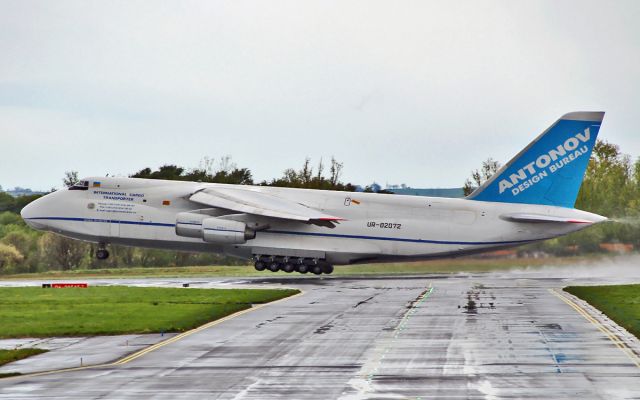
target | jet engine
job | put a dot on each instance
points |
(190, 224)
(213, 230)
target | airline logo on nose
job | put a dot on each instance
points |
(547, 163)
(96, 184)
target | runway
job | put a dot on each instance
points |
(488, 336)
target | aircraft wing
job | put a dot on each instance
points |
(258, 203)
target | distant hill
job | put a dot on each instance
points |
(18, 192)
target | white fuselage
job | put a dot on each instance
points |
(376, 227)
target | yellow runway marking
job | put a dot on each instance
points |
(195, 330)
(612, 336)
(156, 346)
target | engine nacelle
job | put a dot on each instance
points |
(216, 230)
(211, 229)
(190, 224)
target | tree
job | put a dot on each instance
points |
(7, 202)
(168, 171)
(609, 186)
(9, 218)
(225, 172)
(478, 177)
(335, 170)
(306, 178)
(9, 256)
(70, 178)
(62, 252)
(19, 239)
(25, 241)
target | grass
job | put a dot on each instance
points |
(113, 310)
(8, 356)
(422, 267)
(621, 303)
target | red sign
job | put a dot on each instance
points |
(65, 285)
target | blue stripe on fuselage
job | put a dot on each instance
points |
(112, 221)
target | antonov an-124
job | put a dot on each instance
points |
(530, 199)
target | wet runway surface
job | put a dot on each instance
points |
(497, 335)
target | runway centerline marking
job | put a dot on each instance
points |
(368, 375)
(611, 335)
(156, 346)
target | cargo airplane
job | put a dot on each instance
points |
(530, 199)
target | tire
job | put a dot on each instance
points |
(327, 269)
(303, 269)
(259, 266)
(316, 269)
(274, 267)
(288, 268)
(102, 254)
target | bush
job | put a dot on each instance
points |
(61, 253)
(9, 256)
(7, 218)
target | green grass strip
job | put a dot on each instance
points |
(7, 356)
(621, 303)
(114, 310)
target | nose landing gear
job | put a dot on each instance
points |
(290, 264)
(102, 253)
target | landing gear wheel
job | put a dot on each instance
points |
(102, 254)
(259, 266)
(327, 268)
(316, 269)
(303, 269)
(274, 267)
(288, 268)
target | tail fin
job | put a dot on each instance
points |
(550, 169)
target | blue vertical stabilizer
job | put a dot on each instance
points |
(550, 169)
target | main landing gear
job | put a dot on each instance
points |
(102, 253)
(290, 264)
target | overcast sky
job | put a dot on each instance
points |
(400, 92)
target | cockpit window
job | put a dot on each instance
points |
(82, 185)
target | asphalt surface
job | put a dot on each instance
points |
(490, 336)
(70, 352)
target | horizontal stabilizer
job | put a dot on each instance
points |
(543, 218)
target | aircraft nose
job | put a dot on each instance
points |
(29, 213)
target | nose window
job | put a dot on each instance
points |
(82, 185)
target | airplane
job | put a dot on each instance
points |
(530, 199)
